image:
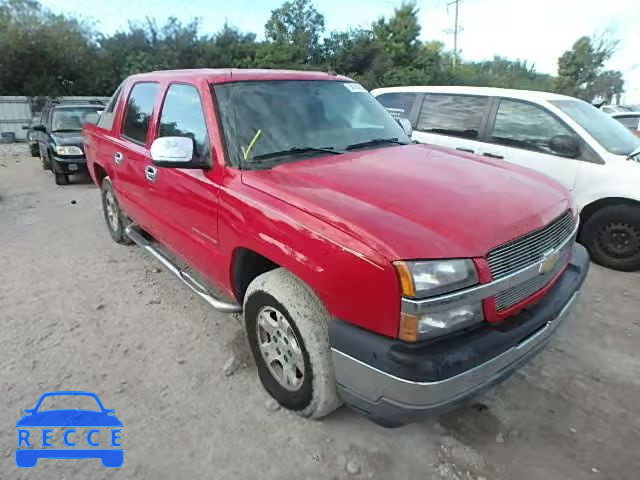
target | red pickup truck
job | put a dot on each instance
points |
(397, 278)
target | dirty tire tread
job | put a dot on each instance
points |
(589, 236)
(311, 319)
(118, 236)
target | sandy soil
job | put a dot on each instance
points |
(79, 312)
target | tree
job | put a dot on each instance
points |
(579, 67)
(607, 86)
(296, 26)
(43, 52)
(399, 34)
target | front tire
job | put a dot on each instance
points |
(287, 326)
(116, 220)
(61, 179)
(612, 236)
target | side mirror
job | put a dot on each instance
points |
(406, 125)
(28, 410)
(109, 411)
(175, 152)
(565, 145)
(39, 128)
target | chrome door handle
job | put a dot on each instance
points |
(118, 158)
(151, 173)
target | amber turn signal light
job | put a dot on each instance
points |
(406, 279)
(408, 328)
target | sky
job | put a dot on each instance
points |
(534, 30)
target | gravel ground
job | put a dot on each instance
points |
(79, 312)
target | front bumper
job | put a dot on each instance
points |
(395, 383)
(69, 165)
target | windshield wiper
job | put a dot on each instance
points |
(297, 151)
(375, 141)
(634, 154)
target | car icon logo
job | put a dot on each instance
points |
(80, 432)
(549, 260)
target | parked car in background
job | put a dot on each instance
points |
(372, 271)
(32, 137)
(630, 120)
(59, 138)
(580, 146)
(611, 109)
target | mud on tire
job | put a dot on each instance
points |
(279, 294)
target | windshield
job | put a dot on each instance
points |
(604, 129)
(267, 123)
(69, 402)
(72, 118)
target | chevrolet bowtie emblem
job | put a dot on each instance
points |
(548, 262)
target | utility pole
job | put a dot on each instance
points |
(455, 32)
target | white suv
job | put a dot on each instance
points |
(583, 148)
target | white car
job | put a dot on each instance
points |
(586, 150)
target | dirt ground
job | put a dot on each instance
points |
(79, 312)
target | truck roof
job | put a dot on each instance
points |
(223, 75)
(484, 91)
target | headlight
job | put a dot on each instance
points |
(429, 325)
(421, 279)
(68, 150)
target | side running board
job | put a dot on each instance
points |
(188, 280)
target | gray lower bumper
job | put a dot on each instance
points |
(392, 400)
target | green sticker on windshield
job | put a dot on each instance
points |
(355, 87)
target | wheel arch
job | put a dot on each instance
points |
(588, 210)
(246, 265)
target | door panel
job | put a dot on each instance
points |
(185, 201)
(521, 133)
(130, 154)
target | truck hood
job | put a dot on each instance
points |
(67, 138)
(418, 201)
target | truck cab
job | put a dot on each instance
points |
(399, 279)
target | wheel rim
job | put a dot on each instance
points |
(620, 240)
(280, 348)
(112, 210)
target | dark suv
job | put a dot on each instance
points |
(59, 138)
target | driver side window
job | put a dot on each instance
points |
(526, 126)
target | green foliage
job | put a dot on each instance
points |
(580, 69)
(296, 26)
(48, 54)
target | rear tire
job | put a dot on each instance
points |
(115, 218)
(297, 336)
(61, 179)
(612, 236)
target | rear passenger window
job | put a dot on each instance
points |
(106, 117)
(183, 116)
(398, 104)
(138, 114)
(526, 126)
(455, 115)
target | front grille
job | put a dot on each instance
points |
(525, 251)
(529, 249)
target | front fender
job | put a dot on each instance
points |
(355, 282)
